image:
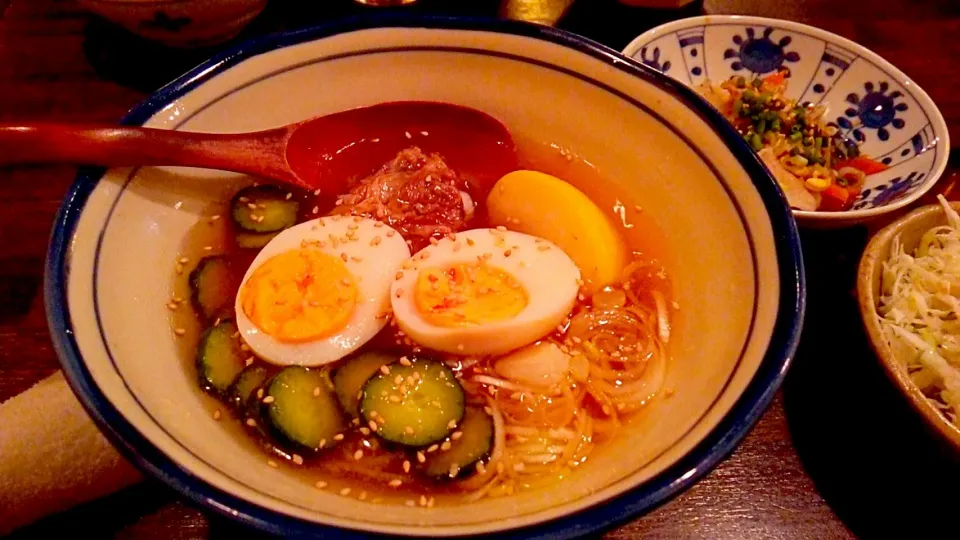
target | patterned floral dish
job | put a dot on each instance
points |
(867, 98)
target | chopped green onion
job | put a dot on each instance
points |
(796, 136)
(738, 107)
(757, 83)
(755, 142)
(741, 82)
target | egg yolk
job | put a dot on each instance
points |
(468, 295)
(300, 295)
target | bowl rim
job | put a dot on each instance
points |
(706, 454)
(876, 253)
(927, 104)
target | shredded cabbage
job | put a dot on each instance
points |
(919, 310)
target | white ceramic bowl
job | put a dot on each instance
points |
(869, 99)
(734, 258)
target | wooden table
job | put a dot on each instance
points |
(839, 454)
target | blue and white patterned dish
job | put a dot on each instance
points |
(870, 100)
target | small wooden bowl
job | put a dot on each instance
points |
(910, 229)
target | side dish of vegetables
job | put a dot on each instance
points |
(815, 165)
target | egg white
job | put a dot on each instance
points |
(373, 265)
(547, 274)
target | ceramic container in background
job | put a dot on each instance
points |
(908, 229)
(180, 23)
(732, 250)
(867, 98)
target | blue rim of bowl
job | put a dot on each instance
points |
(930, 109)
(706, 455)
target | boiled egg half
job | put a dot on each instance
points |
(319, 290)
(484, 292)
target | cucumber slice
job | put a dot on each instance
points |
(414, 405)
(473, 444)
(246, 384)
(213, 287)
(304, 411)
(348, 379)
(248, 240)
(219, 358)
(263, 209)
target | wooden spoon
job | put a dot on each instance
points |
(319, 152)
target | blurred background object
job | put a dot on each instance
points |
(659, 4)
(180, 23)
(546, 12)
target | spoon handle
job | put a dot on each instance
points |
(260, 153)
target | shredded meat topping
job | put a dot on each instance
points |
(416, 194)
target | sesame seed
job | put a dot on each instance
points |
(375, 241)
(243, 199)
(424, 133)
(344, 257)
(395, 399)
(451, 424)
(316, 391)
(179, 268)
(423, 500)
(345, 491)
(244, 347)
(357, 455)
(407, 134)
(433, 448)
(404, 361)
(268, 399)
(251, 422)
(338, 437)
(454, 470)
(297, 458)
(456, 435)
(316, 209)
(581, 297)
(373, 425)
(430, 502)
(272, 463)
(406, 466)
(390, 233)
(259, 393)
(355, 259)
(362, 496)
(251, 206)
(488, 410)
(365, 431)
(421, 458)
(349, 236)
(543, 247)
(501, 228)
(518, 466)
(214, 218)
(507, 253)
(410, 502)
(460, 347)
(216, 414)
(172, 306)
(445, 446)
(320, 484)
(638, 208)
(481, 468)
(179, 331)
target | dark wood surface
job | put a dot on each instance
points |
(839, 454)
